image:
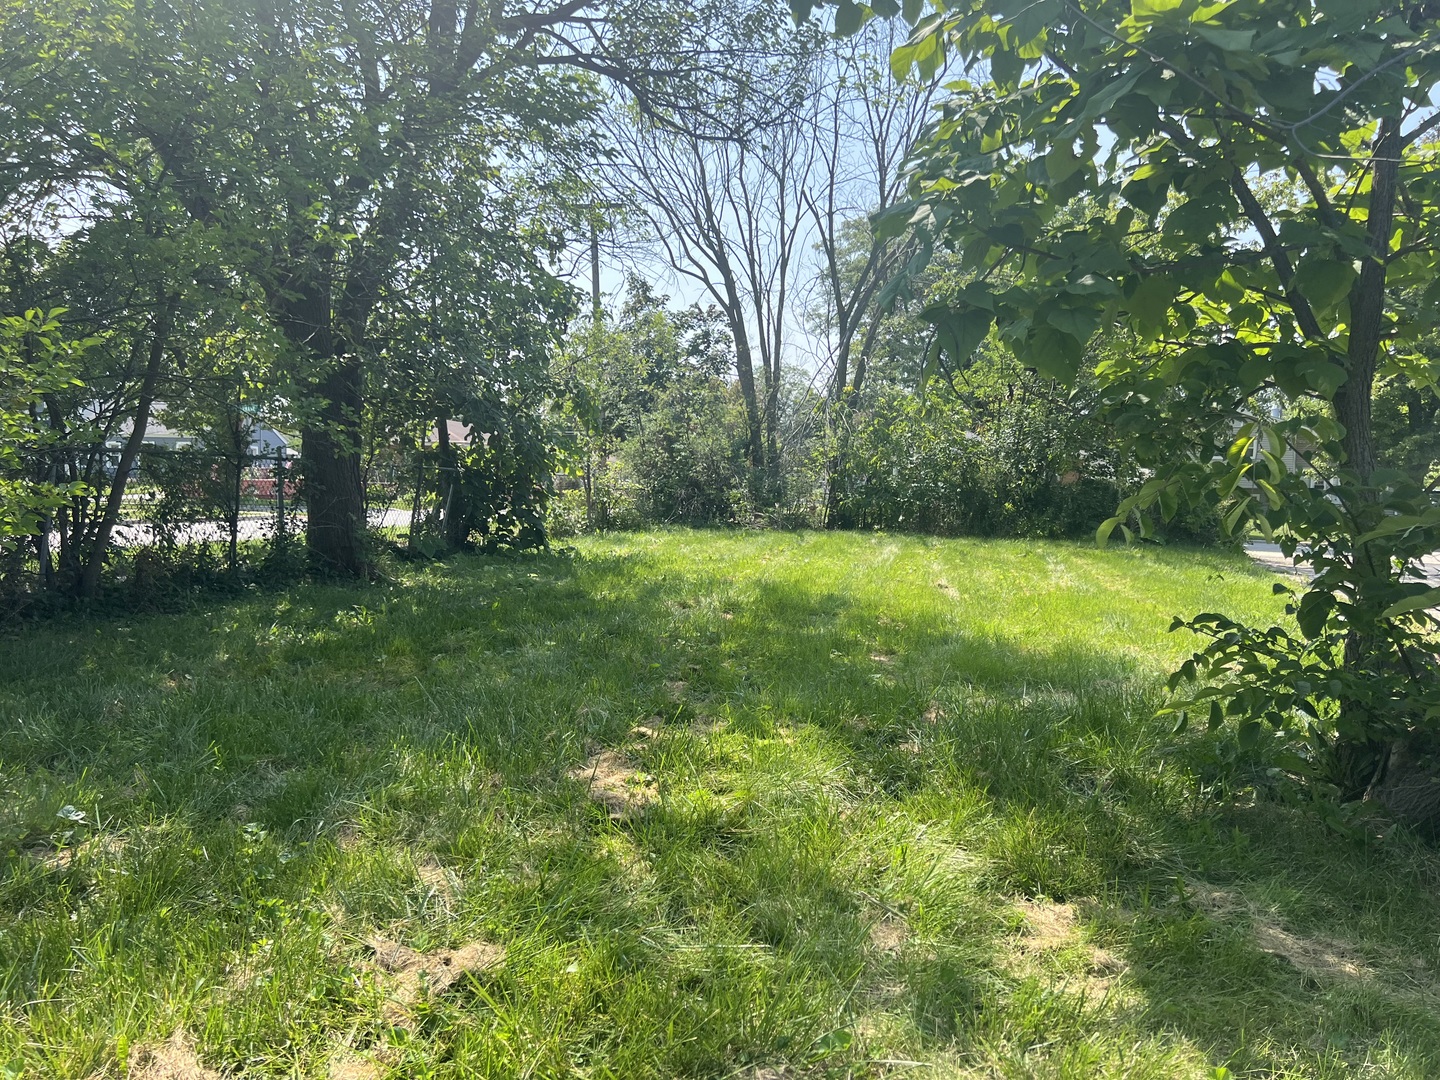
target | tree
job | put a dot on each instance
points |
(620, 380)
(36, 360)
(868, 124)
(310, 138)
(728, 215)
(1173, 117)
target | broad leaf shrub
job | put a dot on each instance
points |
(1262, 192)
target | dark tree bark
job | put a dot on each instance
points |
(329, 437)
(1360, 764)
(453, 518)
(330, 464)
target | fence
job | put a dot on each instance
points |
(180, 497)
(186, 511)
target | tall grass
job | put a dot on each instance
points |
(880, 806)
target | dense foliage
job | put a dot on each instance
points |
(1264, 236)
(657, 435)
(332, 225)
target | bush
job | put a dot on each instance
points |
(1014, 467)
(565, 515)
(687, 458)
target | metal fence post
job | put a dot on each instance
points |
(241, 457)
(280, 493)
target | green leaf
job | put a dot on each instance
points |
(1062, 161)
(1423, 601)
(1399, 523)
(1249, 733)
(1313, 613)
(1169, 503)
(895, 220)
(959, 332)
(1053, 353)
(1324, 282)
(1076, 322)
(912, 10)
(1233, 517)
(1229, 40)
(1254, 371)
(1146, 10)
(848, 17)
(1226, 289)
(902, 59)
(1150, 303)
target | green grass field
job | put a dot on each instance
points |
(681, 804)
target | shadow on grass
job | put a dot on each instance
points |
(829, 760)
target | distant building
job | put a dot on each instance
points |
(264, 442)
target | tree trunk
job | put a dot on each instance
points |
(89, 582)
(772, 433)
(745, 371)
(330, 436)
(452, 517)
(330, 462)
(1407, 784)
(1358, 760)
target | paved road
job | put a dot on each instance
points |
(1270, 555)
(258, 527)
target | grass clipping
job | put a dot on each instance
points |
(617, 785)
(1316, 957)
(174, 1059)
(410, 975)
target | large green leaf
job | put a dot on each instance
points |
(848, 17)
(1324, 282)
(1150, 302)
(1420, 602)
(959, 332)
(1145, 10)
(1053, 353)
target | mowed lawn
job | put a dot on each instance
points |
(682, 804)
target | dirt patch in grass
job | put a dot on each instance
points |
(1313, 956)
(1051, 927)
(438, 879)
(350, 1067)
(409, 974)
(173, 1059)
(1320, 957)
(705, 726)
(615, 783)
(889, 935)
(1048, 926)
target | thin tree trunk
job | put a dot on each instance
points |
(745, 371)
(89, 582)
(1357, 761)
(453, 516)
